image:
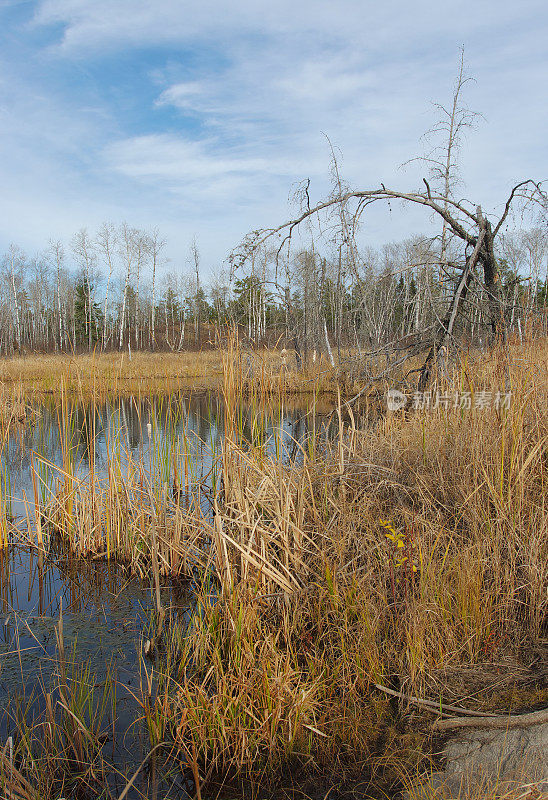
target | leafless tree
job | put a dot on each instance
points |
(106, 244)
(195, 261)
(156, 246)
(476, 232)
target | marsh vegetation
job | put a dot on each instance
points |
(228, 566)
(202, 592)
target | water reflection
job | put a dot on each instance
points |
(105, 612)
(146, 429)
(105, 616)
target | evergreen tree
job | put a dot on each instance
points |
(87, 314)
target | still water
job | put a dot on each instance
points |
(106, 613)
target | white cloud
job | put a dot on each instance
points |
(100, 23)
(190, 164)
(185, 95)
(239, 97)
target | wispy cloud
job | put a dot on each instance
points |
(98, 23)
(194, 166)
(201, 117)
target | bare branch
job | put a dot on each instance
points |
(528, 182)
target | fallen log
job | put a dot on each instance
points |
(437, 708)
(501, 722)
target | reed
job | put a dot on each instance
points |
(59, 730)
(410, 551)
(403, 554)
(260, 373)
(100, 376)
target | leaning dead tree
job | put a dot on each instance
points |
(475, 231)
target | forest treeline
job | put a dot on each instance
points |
(114, 289)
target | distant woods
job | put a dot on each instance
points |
(114, 290)
(309, 284)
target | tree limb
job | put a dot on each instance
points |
(431, 706)
(509, 202)
(503, 722)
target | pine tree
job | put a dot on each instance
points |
(87, 314)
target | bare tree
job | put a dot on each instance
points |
(58, 254)
(127, 249)
(86, 256)
(15, 262)
(195, 259)
(443, 158)
(475, 231)
(106, 243)
(156, 245)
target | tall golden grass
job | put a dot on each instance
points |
(97, 375)
(94, 376)
(407, 553)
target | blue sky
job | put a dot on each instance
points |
(200, 118)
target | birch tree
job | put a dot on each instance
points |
(14, 263)
(128, 255)
(156, 246)
(106, 244)
(195, 261)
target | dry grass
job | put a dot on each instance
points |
(94, 376)
(406, 553)
(113, 373)
(14, 409)
(319, 603)
(260, 373)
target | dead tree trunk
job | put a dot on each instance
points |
(438, 351)
(491, 279)
(473, 230)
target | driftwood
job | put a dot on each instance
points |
(473, 719)
(501, 722)
(439, 708)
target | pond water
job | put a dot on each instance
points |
(106, 616)
(106, 613)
